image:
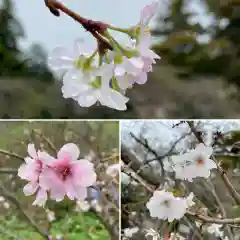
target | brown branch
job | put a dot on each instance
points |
(96, 28)
(206, 219)
(8, 171)
(15, 201)
(11, 154)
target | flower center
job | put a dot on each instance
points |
(200, 162)
(166, 203)
(65, 172)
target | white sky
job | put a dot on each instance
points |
(160, 133)
(42, 27)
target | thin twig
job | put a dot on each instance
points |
(96, 28)
(11, 154)
(8, 171)
(206, 219)
(15, 201)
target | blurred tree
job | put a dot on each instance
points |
(181, 45)
(178, 34)
(37, 63)
(10, 31)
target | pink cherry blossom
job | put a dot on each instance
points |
(30, 171)
(68, 175)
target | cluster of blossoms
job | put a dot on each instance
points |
(103, 75)
(195, 163)
(56, 177)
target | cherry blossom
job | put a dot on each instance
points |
(68, 175)
(83, 80)
(195, 163)
(31, 170)
(163, 205)
(102, 74)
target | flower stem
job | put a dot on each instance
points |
(96, 28)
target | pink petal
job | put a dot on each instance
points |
(32, 151)
(69, 188)
(83, 173)
(148, 12)
(28, 171)
(81, 193)
(69, 150)
(73, 190)
(45, 158)
(41, 197)
(30, 188)
(49, 180)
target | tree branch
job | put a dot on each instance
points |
(11, 154)
(15, 201)
(8, 171)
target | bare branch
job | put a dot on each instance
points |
(15, 201)
(8, 171)
(11, 154)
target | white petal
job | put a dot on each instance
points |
(70, 150)
(113, 99)
(32, 151)
(126, 81)
(142, 78)
(87, 99)
(73, 84)
(119, 70)
(133, 65)
(61, 60)
(148, 12)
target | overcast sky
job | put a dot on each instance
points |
(42, 27)
(160, 133)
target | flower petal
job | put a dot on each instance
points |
(83, 173)
(30, 188)
(45, 158)
(61, 59)
(28, 171)
(87, 99)
(148, 12)
(69, 150)
(81, 193)
(142, 78)
(113, 99)
(49, 180)
(32, 151)
(41, 198)
(69, 188)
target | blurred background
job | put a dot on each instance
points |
(197, 76)
(96, 218)
(146, 145)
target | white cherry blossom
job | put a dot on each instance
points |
(163, 205)
(195, 163)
